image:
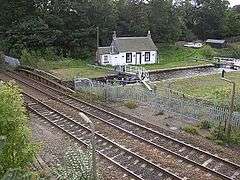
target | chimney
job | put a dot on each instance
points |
(114, 35)
(149, 34)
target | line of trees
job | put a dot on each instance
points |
(68, 27)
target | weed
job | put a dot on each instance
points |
(131, 104)
(89, 97)
(205, 124)
(218, 134)
(191, 130)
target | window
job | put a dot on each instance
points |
(105, 59)
(128, 57)
(147, 56)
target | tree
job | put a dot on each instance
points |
(18, 150)
(209, 18)
(232, 25)
(164, 21)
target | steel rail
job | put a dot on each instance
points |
(102, 137)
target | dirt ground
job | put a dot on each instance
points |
(166, 120)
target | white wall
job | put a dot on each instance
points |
(120, 59)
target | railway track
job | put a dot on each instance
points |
(213, 164)
(135, 165)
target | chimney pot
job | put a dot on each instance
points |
(114, 35)
(149, 34)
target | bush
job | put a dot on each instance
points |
(208, 52)
(191, 130)
(76, 164)
(18, 150)
(205, 124)
(27, 58)
(131, 104)
(218, 134)
(1, 59)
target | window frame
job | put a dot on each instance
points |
(147, 54)
(127, 60)
(104, 60)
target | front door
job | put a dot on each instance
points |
(138, 58)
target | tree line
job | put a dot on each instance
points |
(68, 27)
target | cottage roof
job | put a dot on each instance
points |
(129, 44)
(104, 50)
(215, 41)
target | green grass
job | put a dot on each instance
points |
(209, 87)
(67, 69)
(177, 56)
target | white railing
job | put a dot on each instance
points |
(138, 71)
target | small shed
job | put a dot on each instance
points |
(216, 43)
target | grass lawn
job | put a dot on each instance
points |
(67, 69)
(209, 87)
(177, 56)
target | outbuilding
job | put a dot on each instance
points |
(128, 51)
(216, 43)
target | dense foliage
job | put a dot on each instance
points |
(17, 151)
(76, 165)
(68, 27)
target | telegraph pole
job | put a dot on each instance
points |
(97, 36)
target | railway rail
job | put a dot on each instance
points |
(211, 163)
(135, 165)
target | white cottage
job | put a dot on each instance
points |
(128, 51)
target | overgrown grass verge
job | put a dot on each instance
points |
(191, 130)
(89, 97)
(221, 137)
(131, 104)
(216, 133)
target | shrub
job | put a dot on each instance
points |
(131, 104)
(218, 134)
(77, 164)
(18, 150)
(1, 59)
(191, 130)
(208, 52)
(28, 58)
(205, 124)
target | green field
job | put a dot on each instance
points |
(209, 87)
